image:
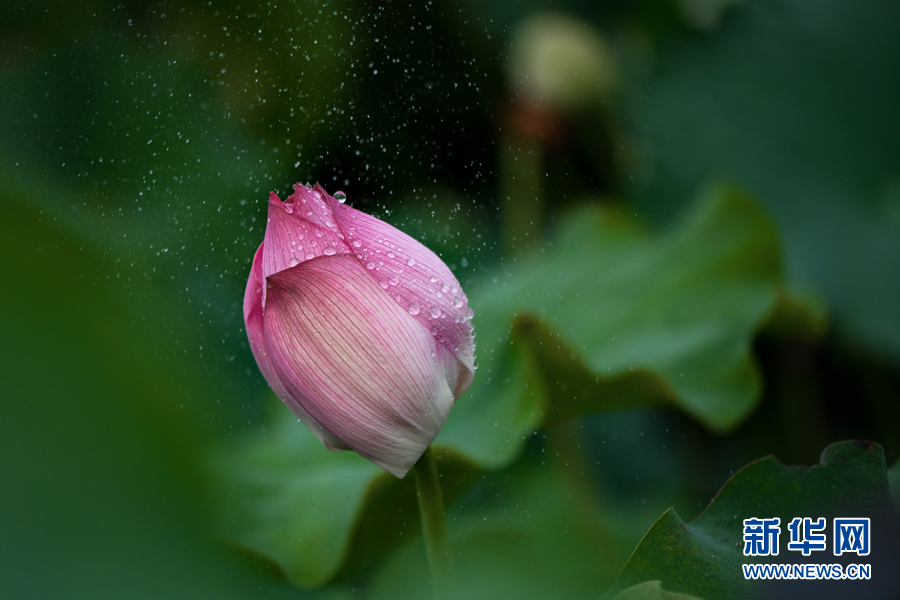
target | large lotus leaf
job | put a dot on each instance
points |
(797, 100)
(704, 557)
(612, 317)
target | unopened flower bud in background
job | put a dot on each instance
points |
(363, 332)
(560, 62)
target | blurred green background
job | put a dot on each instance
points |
(138, 144)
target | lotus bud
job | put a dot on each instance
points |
(363, 332)
(559, 61)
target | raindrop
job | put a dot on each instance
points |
(391, 255)
(383, 284)
(414, 308)
(470, 313)
(370, 266)
(293, 262)
(310, 255)
(435, 312)
(445, 288)
(288, 208)
(340, 197)
(411, 262)
(393, 280)
(457, 302)
(357, 243)
(329, 251)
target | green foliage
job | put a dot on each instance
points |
(704, 557)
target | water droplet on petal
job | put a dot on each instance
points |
(310, 255)
(410, 262)
(293, 262)
(340, 197)
(435, 312)
(394, 280)
(470, 313)
(383, 284)
(457, 302)
(445, 288)
(370, 266)
(414, 308)
(288, 208)
(329, 251)
(391, 255)
(357, 243)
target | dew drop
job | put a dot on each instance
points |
(340, 197)
(393, 280)
(435, 312)
(391, 255)
(470, 313)
(383, 284)
(457, 302)
(288, 208)
(293, 262)
(329, 251)
(370, 266)
(411, 263)
(414, 308)
(445, 288)
(357, 243)
(310, 255)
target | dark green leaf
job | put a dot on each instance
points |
(704, 557)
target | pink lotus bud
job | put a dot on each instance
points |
(362, 331)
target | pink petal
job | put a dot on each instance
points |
(253, 320)
(415, 278)
(357, 362)
(299, 229)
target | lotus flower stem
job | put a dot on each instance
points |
(434, 526)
